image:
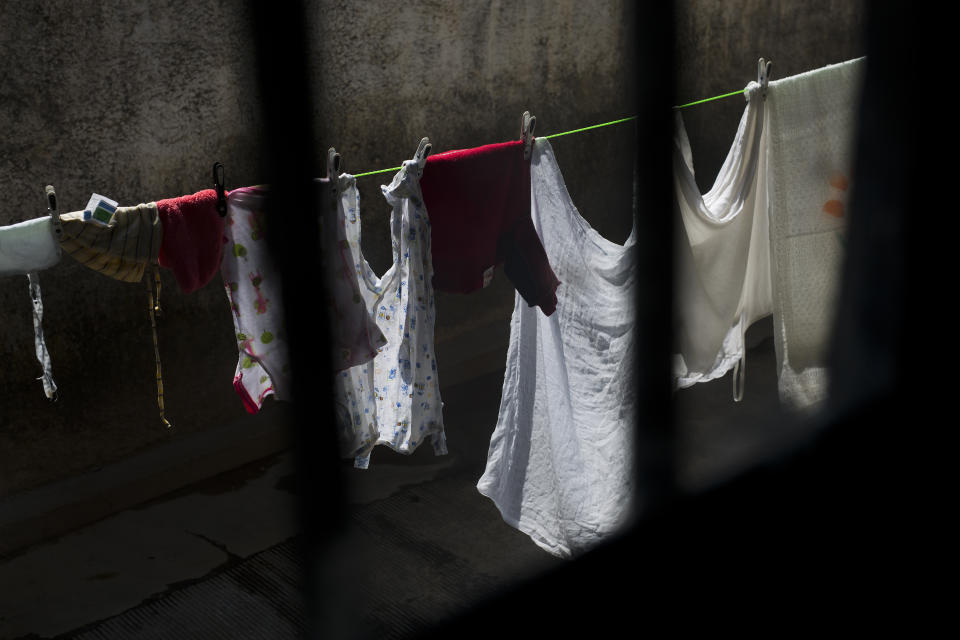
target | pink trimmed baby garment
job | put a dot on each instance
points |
(253, 289)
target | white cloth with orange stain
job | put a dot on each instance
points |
(393, 400)
(253, 289)
(811, 118)
(722, 251)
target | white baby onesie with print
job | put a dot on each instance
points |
(394, 400)
(253, 289)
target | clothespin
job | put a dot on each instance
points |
(218, 185)
(423, 150)
(763, 75)
(527, 125)
(334, 166)
(54, 214)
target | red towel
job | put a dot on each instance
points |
(478, 201)
(192, 238)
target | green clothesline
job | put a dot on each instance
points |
(566, 133)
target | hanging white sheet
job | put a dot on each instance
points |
(559, 466)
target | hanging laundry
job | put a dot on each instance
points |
(479, 203)
(28, 247)
(394, 400)
(39, 342)
(192, 238)
(253, 289)
(722, 252)
(25, 249)
(560, 466)
(811, 118)
(355, 337)
(121, 249)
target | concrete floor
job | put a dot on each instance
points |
(421, 543)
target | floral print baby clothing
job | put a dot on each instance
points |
(253, 290)
(394, 400)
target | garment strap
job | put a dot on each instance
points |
(739, 378)
(155, 311)
(49, 386)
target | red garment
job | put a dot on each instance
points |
(478, 201)
(192, 238)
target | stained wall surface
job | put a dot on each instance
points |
(137, 100)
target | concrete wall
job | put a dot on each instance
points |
(137, 100)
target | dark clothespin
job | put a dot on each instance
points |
(218, 185)
(763, 75)
(54, 213)
(334, 168)
(527, 125)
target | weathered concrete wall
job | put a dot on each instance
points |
(134, 101)
(717, 47)
(137, 101)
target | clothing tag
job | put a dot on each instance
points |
(99, 209)
(488, 275)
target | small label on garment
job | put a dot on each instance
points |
(99, 209)
(487, 275)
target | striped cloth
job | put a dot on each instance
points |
(121, 249)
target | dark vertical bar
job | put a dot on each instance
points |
(620, 584)
(288, 165)
(655, 448)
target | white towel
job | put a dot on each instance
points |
(810, 123)
(27, 247)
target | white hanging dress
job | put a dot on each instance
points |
(560, 466)
(722, 252)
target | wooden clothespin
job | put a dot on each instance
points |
(763, 75)
(55, 225)
(423, 150)
(527, 125)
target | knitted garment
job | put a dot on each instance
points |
(479, 204)
(122, 249)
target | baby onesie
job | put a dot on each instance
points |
(253, 290)
(394, 400)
